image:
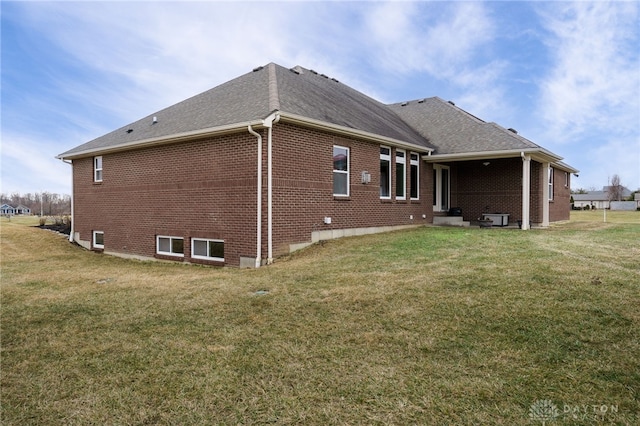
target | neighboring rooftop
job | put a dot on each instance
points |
(600, 195)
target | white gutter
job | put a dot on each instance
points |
(537, 153)
(178, 137)
(259, 199)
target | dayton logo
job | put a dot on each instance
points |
(543, 410)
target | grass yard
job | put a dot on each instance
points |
(436, 326)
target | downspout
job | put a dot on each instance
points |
(270, 124)
(72, 216)
(526, 190)
(259, 199)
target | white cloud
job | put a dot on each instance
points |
(440, 39)
(29, 165)
(594, 83)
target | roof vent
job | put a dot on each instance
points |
(129, 130)
(513, 130)
(404, 104)
(451, 102)
(314, 72)
(323, 75)
(155, 120)
(421, 101)
(335, 80)
(257, 68)
(297, 69)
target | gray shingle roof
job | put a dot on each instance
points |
(299, 92)
(255, 95)
(452, 130)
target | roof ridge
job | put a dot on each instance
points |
(274, 95)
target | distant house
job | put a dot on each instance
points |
(23, 210)
(597, 199)
(278, 158)
(7, 210)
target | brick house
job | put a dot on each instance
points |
(278, 159)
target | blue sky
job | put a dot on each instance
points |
(566, 75)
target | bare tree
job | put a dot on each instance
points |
(614, 190)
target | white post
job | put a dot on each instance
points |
(545, 193)
(526, 190)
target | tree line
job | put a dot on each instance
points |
(45, 203)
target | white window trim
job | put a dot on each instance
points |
(438, 185)
(346, 172)
(93, 239)
(97, 169)
(207, 240)
(171, 238)
(401, 159)
(416, 163)
(387, 158)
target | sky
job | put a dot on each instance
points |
(566, 75)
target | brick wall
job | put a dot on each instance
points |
(303, 188)
(204, 188)
(207, 189)
(497, 187)
(560, 207)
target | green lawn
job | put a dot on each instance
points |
(437, 326)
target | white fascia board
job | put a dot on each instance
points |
(537, 154)
(348, 131)
(178, 137)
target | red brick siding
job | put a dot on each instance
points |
(497, 187)
(303, 188)
(207, 189)
(204, 188)
(560, 207)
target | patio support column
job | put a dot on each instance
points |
(544, 184)
(526, 190)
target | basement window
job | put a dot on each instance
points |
(207, 249)
(170, 246)
(98, 239)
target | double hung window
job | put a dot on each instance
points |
(385, 172)
(340, 171)
(401, 175)
(97, 169)
(414, 176)
(550, 183)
